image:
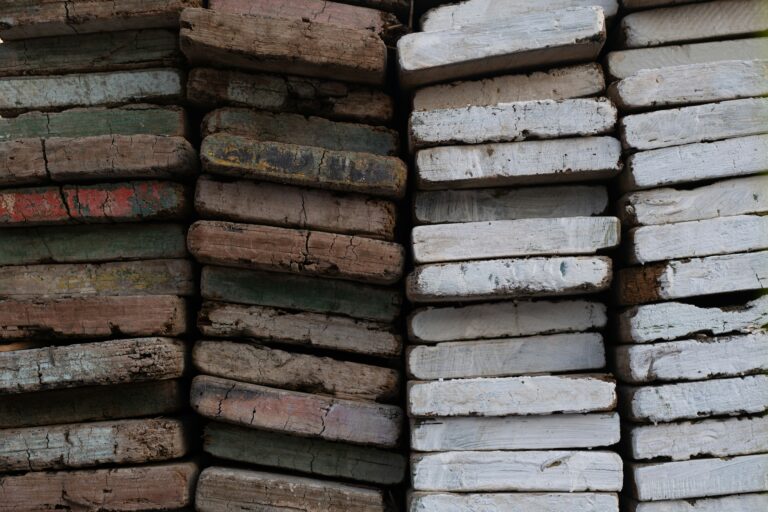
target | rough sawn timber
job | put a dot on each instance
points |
(740, 502)
(514, 502)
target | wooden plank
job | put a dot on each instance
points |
(507, 357)
(509, 278)
(93, 317)
(313, 253)
(145, 277)
(167, 486)
(81, 244)
(558, 431)
(98, 403)
(219, 489)
(644, 4)
(212, 88)
(693, 277)
(512, 122)
(699, 478)
(297, 47)
(22, 162)
(696, 400)
(304, 293)
(518, 163)
(738, 196)
(721, 19)
(554, 84)
(507, 238)
(272, 204)
(513, 502)
(258, 364)
(543, 394)
(312, 456)
(699, 123)
(566, 471)
(529, 40)
(740, 502)
(298, 328)
(670, 320)
(301, 414)
(504, 319)
(82, 445)
(443, 206)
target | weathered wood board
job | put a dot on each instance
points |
(543, 394)
(22, 162)
(211, 88)
(740, 502)
(518, 163)
(507, 357)
(692, 277)
(313, 456)
(314, 253)
(559, 431)
(292, 412)
(297, 47)
(510, 43)
(219, 489)
(298, 328)
(504, 319)
(513, 502)
(698, 123)
(565, 471)
(258, 364)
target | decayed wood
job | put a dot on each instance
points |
(304, 293)
(517, 42)
(695, 400)
(699, 478)
(721, 19)
(506, 357)
(297, 46)
(569, 471)
(507, 238)
(693, 277)
(298, 328)
(93, 317)
(212, 88)
(257, 364)
(542, 394)
(296, 251)
(670, 320)
(558, 431)
(509, 278)
(554, 84)
(740, 502)
(301, 414)
(443, 206)
(219, 489)
(504, 319)
(288, 206)
(82, 445)
(699, 123)
(167, 486)
(91, 364)
(306, 455)
(518, 163)
(131, 278)
(514, 502)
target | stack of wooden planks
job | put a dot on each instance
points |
(693, 348)
(93, 263)
(299, 347)
(511, 406)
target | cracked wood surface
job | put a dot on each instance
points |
(513, 502)
(300, 414)
(740, 502)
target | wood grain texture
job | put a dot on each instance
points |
(513, 502)
(740, 502)
(22, 162)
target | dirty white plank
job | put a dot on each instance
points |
(514, 502)
(736, 503)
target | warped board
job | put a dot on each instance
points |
(740, 502)
(513, 502)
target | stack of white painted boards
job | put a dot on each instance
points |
(93, 267)
(299, 346)
(510, 403)
(694, 352)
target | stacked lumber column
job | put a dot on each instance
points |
(298, 344)
(694, 351)
(93, 272)
(511, 406)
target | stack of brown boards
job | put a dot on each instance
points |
(94, 271)
(692, 350)
(299, 345)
